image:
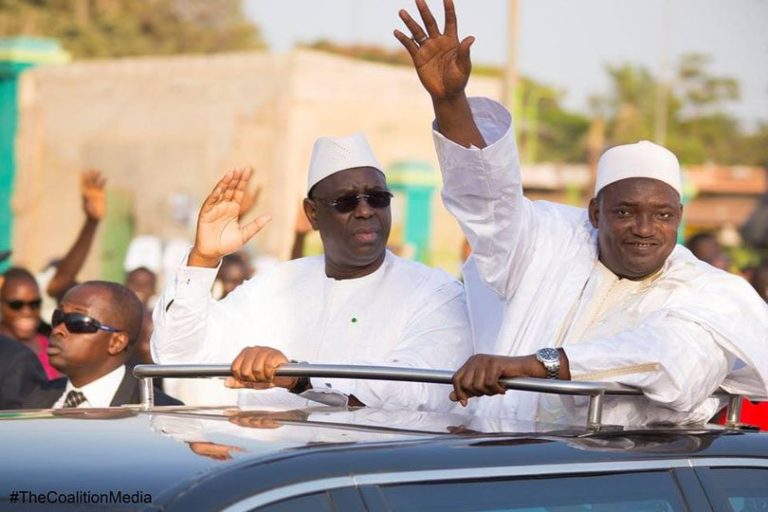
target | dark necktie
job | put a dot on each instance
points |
(74, 398)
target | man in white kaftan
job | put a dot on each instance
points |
(357, 304)
(606, 287)
(678, 334)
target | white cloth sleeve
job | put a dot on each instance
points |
(483, 190)
(675, 362)
(191, 327)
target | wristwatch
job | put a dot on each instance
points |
(302, 383)
(550, 358)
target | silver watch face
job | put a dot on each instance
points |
(548, 355)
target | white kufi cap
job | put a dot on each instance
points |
(333, 154)
(643, 159)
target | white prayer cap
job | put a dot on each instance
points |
(333, 154)
(643, 159)
(144, 251)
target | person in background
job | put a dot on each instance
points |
(94, 204)
(20, 373)
(706, 247)
(759, 279)
(301, 229)
(94, 332)
(234, 270)
(20, 304)
(143, 283)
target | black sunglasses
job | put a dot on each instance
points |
(345, 204)
(18, 305)
(79, 323)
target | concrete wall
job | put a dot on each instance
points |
(163, 126)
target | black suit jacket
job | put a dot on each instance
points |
(43, 397)
(20, 373)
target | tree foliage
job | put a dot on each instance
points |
(120, 28)
(698, 129)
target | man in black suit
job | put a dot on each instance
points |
(20, 373)
(94, 333)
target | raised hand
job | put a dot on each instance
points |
(441, 61)
(219, 230)
(250, 198)
(443, 66)
(94, 197)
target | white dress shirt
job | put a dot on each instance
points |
(98, 393)
(677, 335)
(403, 314)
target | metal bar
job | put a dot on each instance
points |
(595, 390)
(595, 412)
(733, 419)
(146, 392)
(387, 373)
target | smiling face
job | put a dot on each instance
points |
(354, 242)
(637, 221)
(84, 357)
(20, 323)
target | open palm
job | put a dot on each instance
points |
(219, 230)
(441, 61)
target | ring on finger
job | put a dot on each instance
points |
(420, 40)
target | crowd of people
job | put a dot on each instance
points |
(550, 291)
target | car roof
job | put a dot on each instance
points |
(163, 450)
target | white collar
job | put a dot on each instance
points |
(101, 391)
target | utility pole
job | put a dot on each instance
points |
(511, 81)
(511, 78)
(663, 82)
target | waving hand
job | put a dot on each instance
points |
(443, 66)
(219, 230)
(441, 61)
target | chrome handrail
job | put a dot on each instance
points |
(596, 391)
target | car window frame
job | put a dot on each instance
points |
(711, 483)
(690, 488)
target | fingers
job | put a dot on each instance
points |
(218, 190)
(228, 194)
(92, 179)
(257, 365)
(462, 57)
(451, 27)
(248, 366)
(477, 377)
(253, 227)
(429, 20)
(458, 394)
(407, 42)
(415, 29)
(233, 383)
(241, 185)
(231, 187)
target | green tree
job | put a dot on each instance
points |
(120, 28)
(698, 130)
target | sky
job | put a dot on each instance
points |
(562, 43)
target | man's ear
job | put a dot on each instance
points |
(594, 211)
(310, 210)
(118, 343)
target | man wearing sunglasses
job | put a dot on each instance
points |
(20, 303)
(95, 330)
(356, 304)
